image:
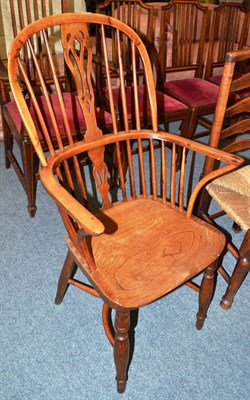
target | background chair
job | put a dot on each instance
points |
(232, 191)
(140, 241)
(140, 17)
(229, 32)
(191, 32)
(25, 162)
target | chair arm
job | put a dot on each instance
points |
(86, 221)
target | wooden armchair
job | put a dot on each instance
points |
(232, 191)
(19, 151)
(139, 241)
(139, 16)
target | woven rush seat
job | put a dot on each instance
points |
(232, 193)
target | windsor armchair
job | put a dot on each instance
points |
(19, 151)
(137, 242)
(232, 191)
(139, 16)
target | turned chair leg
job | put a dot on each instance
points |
(241, 269)
(206, 293)
(121, 348)
(68, 271)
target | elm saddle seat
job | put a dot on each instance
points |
(137, 242)
(123, 254)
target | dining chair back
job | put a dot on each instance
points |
(229, 32)
(183, 47)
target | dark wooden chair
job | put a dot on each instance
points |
(21, 156)
(138, 242)
(139, 16)
(188, 21)
(232, 191)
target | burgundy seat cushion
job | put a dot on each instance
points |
(165, 103)
(195, 91)
(74, 114)
(242, 93)
(217, 78)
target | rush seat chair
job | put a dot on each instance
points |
(232, 191)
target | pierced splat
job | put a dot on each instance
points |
(78, 57)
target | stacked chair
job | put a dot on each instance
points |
(139, 242)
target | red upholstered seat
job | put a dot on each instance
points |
(242, 93)
(76, 120)
(195, 91)
(165, 103)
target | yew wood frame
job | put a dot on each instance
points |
(80, 223)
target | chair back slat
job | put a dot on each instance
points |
(153, 169)
(131, 169)
(164, 181)
(173, 177)
(182, 180)
(142, 169)
(119, 158)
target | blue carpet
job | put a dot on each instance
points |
(51, 352)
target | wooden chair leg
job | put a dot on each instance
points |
(121, 348)
(29, 170)
(206, 293)
(8, 142)
(241, 269)
(68, 271)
